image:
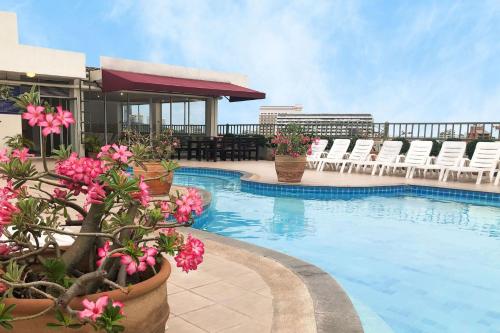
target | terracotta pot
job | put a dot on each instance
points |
(290, 169)
(160, 186)
(146, 308)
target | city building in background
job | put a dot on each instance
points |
(268, 116)
(272, 118)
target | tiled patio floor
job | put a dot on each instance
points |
(264, 171)
(221, 296)
(237, 290)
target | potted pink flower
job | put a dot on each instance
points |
(110, 274)
(291, 148)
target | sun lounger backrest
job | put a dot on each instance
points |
(361, 150)
(418, 153)
(338, 149)
(389, 151)
(319, 147)
(486, 155)
(451, 153)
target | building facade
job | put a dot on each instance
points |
(268, 116)
(118, 94)
(271, 118)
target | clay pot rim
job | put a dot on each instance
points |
(25, 305)
(291, 157)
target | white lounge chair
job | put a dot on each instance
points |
(484, 160)
(389, 153)
(337, 153)
(497, 180)
(418, 154)
(360, 152)
(317, 151)
(450, 155)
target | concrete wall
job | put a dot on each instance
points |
(10, 124)
(171, 70)
(19, 58)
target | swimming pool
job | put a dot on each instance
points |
(410, 264)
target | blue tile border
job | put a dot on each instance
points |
(347, 192)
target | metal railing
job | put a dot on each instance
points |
(347, 129)
(177, 129)
(411, 131)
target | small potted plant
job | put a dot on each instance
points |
(92, 145)
(154, 154)
(291, 148)
(108, 275)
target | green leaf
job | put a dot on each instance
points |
(55, 271)
(6, 316)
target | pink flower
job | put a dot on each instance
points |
(149, 255)
(104, 151)
(4, 157)
(60, 194)
(118, 304)
(121, 153)
(186, 204)
(102, 252)
(22, 154)
(143, 194)
(4, 249)
(51, 124)
(82, 171)
(65, 117)
(191, 254)
(3, 287)
(93, 310)
(34, 115)
(165, 208)
(7, 209)
(96, 194)
(130, 263)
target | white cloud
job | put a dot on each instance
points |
(431, 62)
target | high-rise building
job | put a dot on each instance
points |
(268, 116)
(322, 124)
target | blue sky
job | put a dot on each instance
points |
(399, 60)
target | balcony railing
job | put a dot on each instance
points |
(347, 129)
(177, 129)
(411, 131)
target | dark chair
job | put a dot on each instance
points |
(228, 147)
(249, 146)
(182, 147)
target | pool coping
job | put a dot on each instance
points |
(249, 184)
(333, 309)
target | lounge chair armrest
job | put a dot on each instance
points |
(464, 162)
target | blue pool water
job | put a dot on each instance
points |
(409, 264)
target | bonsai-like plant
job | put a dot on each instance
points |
(116, 245)
(292, 141)
(150, 148)
(92, 143)
(18, 142)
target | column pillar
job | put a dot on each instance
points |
(77, 128)
(211, 114)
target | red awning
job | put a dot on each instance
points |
(113, 80)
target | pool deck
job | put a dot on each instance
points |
(263, 171)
